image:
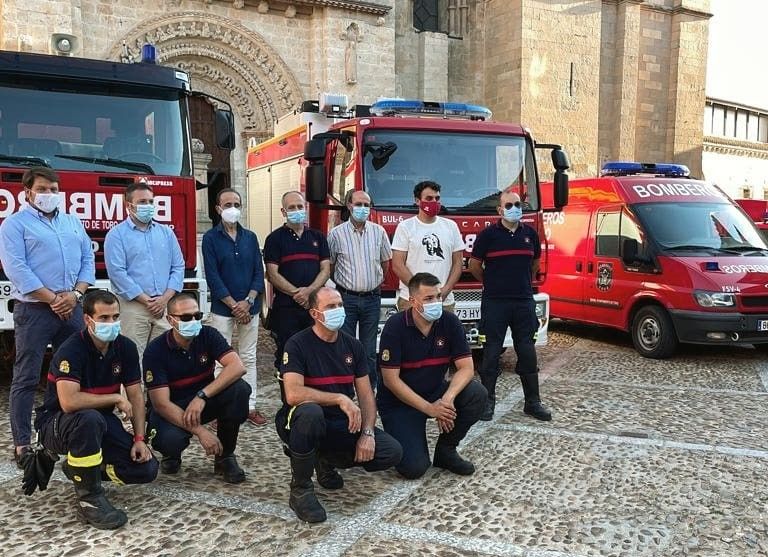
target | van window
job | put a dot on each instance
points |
(630, 229)
(607, 235)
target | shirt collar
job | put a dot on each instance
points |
(221, 228)
(88, 339)
(34, 211)
(353, 228)
(173, 345)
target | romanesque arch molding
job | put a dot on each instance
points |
(225, 56)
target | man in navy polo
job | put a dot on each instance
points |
(298, 263)
(505, 258)
(77, 417)
(321, 425)
(184, 394)
(415, 349)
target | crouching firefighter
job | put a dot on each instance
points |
(77, 417)
(321, 425)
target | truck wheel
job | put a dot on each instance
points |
(653, 333)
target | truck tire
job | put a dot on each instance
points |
(653, 333)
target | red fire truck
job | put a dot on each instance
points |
(325, 150)
(757, 210)
(646, 249)
(101, 126)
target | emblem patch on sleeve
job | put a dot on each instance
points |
(385, 356)
(149, 377)
(64, 366)
(285, 358)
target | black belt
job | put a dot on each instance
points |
(374, 292)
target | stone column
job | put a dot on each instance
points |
(433, 66)
(625, 101)
(200, 161)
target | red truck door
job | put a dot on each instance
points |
(567, 263)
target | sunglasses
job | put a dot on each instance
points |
(197, 316)
(510, 205)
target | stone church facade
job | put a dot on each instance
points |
(607, 79)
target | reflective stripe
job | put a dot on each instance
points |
(113, 475)
(290, 415)
(84, 461)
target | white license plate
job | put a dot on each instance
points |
(762, 324)
(468, 314)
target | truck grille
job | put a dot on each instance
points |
(474, 295)
(754, 301)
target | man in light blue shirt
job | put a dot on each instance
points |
(48, 258)
(145, 267)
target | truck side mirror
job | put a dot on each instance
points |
(316, 183)
(314, 150)
(560, 185)
(629, 252)
(560, 160)
(225, 129)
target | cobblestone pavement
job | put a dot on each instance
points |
(643, 458)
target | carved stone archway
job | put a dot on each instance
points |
(221, 55)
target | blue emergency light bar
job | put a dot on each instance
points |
(404, 107)
(620, 168)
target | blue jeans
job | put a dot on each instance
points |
(363, 313)
(35, 326)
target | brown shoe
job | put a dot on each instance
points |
(256, 418)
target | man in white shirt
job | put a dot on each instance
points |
(427, 243)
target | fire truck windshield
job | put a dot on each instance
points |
(97, 128)
(692, 227)
(471, 169)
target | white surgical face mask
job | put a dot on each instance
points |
(231, 215)
(47, 202)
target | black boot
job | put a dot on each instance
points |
(446, 457)
(489, 382)
(303, 500)
(93, 506)
(533, 406)
(229, 469)
(327, 475)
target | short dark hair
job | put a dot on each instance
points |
(228, 190)
(28, 179)
(421, 186)
(138, 186)
(178, 297)
(93, 297)
(419, 279)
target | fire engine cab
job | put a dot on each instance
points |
(325, 149)
(757, 211)
(646, 249)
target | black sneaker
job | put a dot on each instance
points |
(228, 468)
(170, 465)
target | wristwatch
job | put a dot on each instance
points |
(78, 295)
(201, 394)
(368, 432)
(250, 300)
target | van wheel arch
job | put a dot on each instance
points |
(653, 333)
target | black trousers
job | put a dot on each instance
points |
(229, 407)
(90, 437)
(284, 322)
(304, 428)
(520, 317)
(408, 425)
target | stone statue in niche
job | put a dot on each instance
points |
(352, 36)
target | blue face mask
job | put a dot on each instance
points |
(296, 217)
(190, 329)
(106, 332)
(334, 318)
(513, 214)
(360, 214)
(432, 311)
(145, 213)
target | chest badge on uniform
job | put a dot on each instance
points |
(349, 360)
(149, 377)
(440, 342)
(64, 366)
(314, 244)
(203, 358)
(527, 240)
(116, 368)
(385, 356)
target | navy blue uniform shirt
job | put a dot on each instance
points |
(297, 258)
(507, 257)
(232, 267)
(78, 360)
(423, 360)
(183, 371)
(326, 366)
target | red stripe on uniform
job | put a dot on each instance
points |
(191, 380)
(106, 390)
(509, 252)
(299, 256)
(427, 362)
(332, 380)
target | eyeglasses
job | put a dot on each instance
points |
(197, 316)
(510, 205)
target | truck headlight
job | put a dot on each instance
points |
(714, 299)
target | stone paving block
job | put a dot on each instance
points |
(683, 416)
(583, 497)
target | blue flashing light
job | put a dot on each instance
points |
(148, 54)
(407, 107)
(711, 266)
(621, 168)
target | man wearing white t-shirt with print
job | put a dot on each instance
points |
(427, 243)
